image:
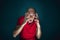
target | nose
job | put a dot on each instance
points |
(31, 16)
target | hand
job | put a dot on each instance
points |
(36, 20)
(27, 19)
(27, 15)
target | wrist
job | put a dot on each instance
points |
(38, 25)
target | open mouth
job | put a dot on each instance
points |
(30, 20)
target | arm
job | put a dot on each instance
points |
(38, 35)
(18, 29)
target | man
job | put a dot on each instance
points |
(28, 26)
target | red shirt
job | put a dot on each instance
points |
(29, 30)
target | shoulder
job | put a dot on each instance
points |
(21, 17)
(20, 20)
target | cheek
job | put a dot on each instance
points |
(33, 16)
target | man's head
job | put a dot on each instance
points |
(30, 14)
(31, 10)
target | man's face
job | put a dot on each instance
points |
(31, 15)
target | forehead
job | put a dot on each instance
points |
(30, 9)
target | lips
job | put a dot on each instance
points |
(30, 20)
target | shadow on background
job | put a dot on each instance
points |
(11, 10)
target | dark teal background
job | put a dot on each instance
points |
(11, 10)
